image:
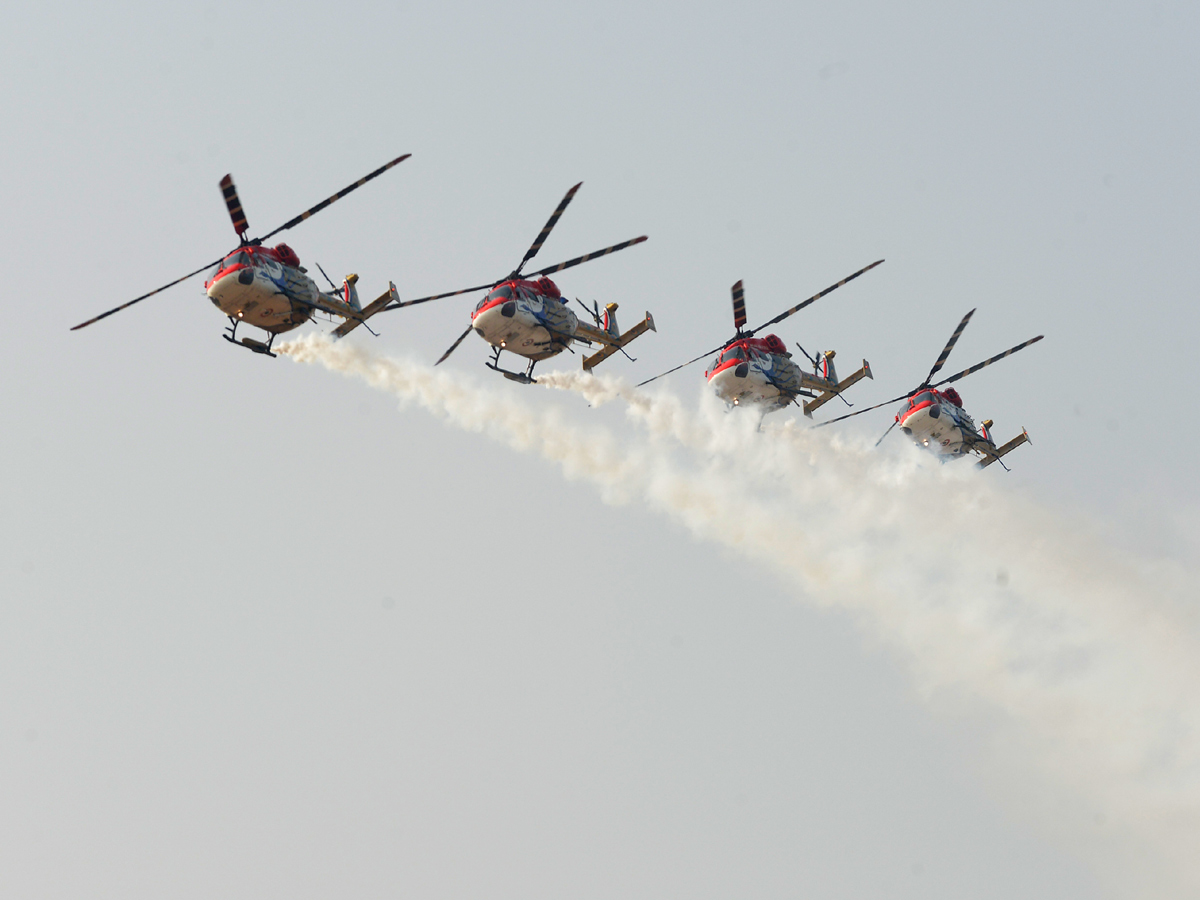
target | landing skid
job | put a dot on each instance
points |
(521, 378)
(249, 343)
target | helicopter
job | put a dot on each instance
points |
(528, 316)
(759, 372)
(936, 419)
(267, 287)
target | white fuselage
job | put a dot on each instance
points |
(747, 375)
(525, 322)
(940, 426)
(262, 295)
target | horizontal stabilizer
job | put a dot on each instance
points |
(990, 456)
(825, 396)
(609, 344)
(378, 305)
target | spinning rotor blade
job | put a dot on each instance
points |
(545, 232)
(454, 346)
(234, 205)
(482, 287)
(886, 433)
(988, 362)
(859, 412)
(683, 365)
(739, 307)
(570, 263)
(338, 196)
(144, 296)
(558, 268)
(795, 309)
(941, 360)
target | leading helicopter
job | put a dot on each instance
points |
(530, 318)
(759, 372)
(267, 287)
(936, 419)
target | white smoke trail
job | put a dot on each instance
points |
(1090, 654)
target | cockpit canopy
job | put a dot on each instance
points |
(922, 398)
(237, 258)
(504, 292)
(735, 352)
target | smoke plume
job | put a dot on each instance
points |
(1090, 655)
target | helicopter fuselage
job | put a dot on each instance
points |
(760, 372)
(528, 318)
(936, 420)
(267, 288)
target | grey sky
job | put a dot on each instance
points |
(260, 634)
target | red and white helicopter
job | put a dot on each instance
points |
(759, 371)
(936, 419)
(267, 287)
(531, 318)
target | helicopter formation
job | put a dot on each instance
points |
(527, 315)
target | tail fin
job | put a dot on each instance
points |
(825, 396)
(610, 335)
(377, 305)
(350, 292)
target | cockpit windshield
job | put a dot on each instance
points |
(504, 292)
(923, 397)
(731, 353)
(241, 257)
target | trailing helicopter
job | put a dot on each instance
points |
(528, 316)
(267, 287)
(936, 419)
(760, 372)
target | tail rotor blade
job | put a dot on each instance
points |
(117, 309)
(234, 204)
(545, 232)
(987, 362)
(312, 211)
(454, 346)
(739, 307)
(795, 309)
(941, 360)
(571, 263)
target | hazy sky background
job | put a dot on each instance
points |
(260, 634)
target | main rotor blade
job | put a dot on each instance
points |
(454, 346)
(889, 431)
(739, 307)
(941, 360)
(566, 265)
(582, 259)
(312, 211)
(859, 412)
(144, 296)
(545, 232)
(234, 205)
(988, 362)
(795, 309)
(482, 287)
(683, 365)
